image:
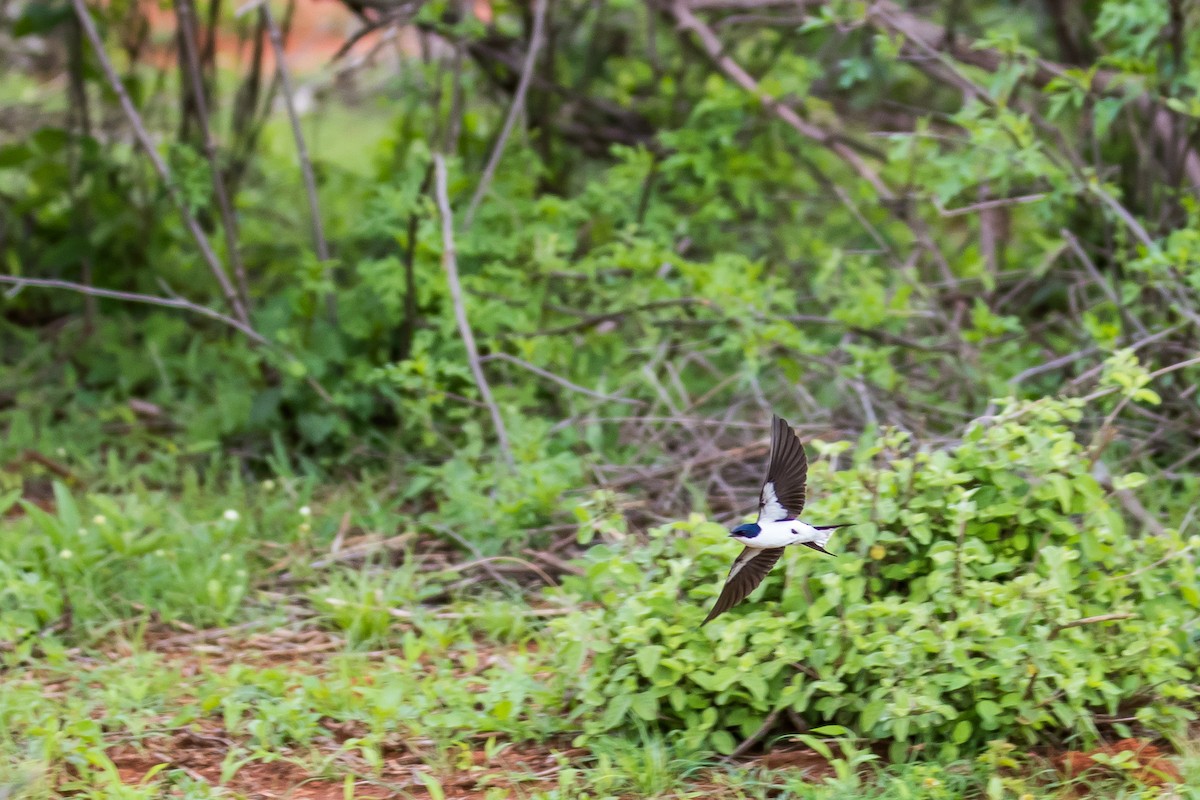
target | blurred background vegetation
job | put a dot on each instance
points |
(443, 349)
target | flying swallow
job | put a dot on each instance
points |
(779, 505)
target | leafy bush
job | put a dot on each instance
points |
(956, 613)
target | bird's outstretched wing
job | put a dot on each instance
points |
(745, 575)
(783, 491)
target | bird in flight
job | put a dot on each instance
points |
(779, 505)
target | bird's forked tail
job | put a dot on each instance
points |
(824, 532)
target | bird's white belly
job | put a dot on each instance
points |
(783, 533)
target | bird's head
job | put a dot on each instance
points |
(747, 531)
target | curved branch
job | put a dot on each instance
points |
(450, 264)
(514, 110)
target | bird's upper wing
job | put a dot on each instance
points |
(745, 575)
(782, 495)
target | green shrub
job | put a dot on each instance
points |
(947, 619)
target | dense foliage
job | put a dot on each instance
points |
(989, 590)
(957, 246)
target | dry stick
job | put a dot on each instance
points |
(450, 264)
(166, 302)
(716, 51)
(1053, 364)
(1087, 621)
(306, 170)
(754, 738)
(561, 381)
(149, 299)
(514, 110)
(187, 21)
(143, 137)
(984, 205)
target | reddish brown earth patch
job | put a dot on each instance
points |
(201, 753)
(811, 764)
(1153, 768)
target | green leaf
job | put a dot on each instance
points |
(68, 512)
(647, 659)
(723, 742)
(832, 730)
(8, 499)
(645, 705)
(871, 714)
(1062, 488)
(432, 785)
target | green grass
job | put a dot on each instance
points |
(194, 642)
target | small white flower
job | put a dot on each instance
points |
(268, 485)
(231, 515)
(305, 511)
(62, 451)
(65, 554)
(99, 519)
(226, 557)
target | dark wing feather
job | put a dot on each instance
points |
(783, 491)
(745, 575)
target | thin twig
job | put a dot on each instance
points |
(984, 205)
(1088, 621)
(755, 737)
(450, 264)
(131, 297)
(514, 110)
(1053, 364)
(166, 302)
(561, 381)
(306, 170)
(487, 561)
(482, 560)
(187, 22)
(160, 166)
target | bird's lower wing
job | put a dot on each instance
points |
(745, 575)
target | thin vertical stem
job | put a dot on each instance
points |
(187, 21)
(450, 264)
(514, 110)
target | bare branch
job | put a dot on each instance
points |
(131, 297)
(514, 110)
(561, 381)
(160, 166)
(984, 205)
(187, 21)
(450, 264)
(1050, 366)
(1088, 621)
